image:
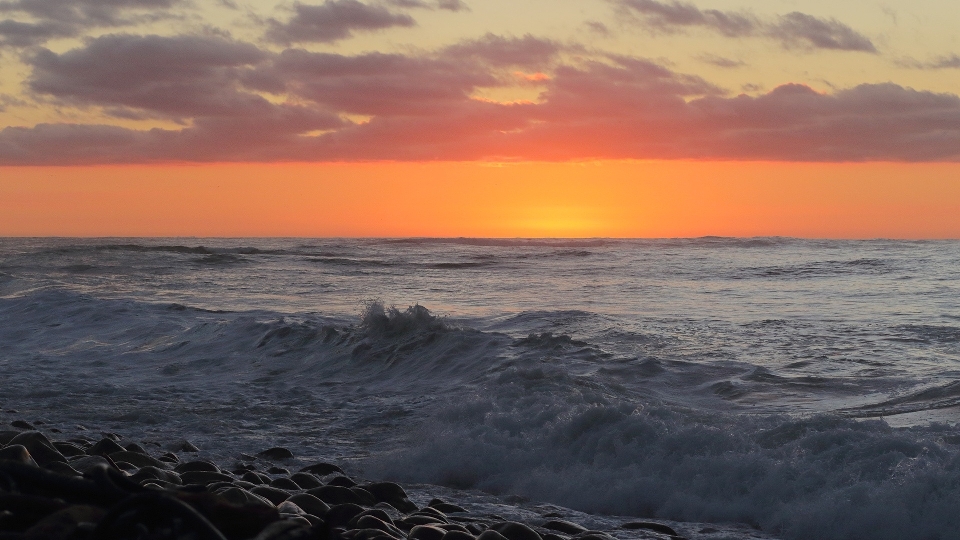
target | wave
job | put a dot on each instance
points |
(816, 269)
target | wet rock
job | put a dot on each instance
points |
(183, 446)
(310, 504)
(490, 534)
(334, 495)
(136, 459)
(255, 478)
(516, 531)
(64, 524)
(156, 473)
(650, 526)
(134, 447)
(20, 424)
(197, 466)
(322, 469)
(204, 477)
(69, 450)
(342, 481)
(17, 453)
(445, 507)
(458, 535)
(272, 494)
(277, 452)
(341, 514)
(105, 447)
(564, 526)
(62, 468)
(39, 446)
(241, 496)
(87, 463)
(285, 483)
(278, 470)
(426, 532)
(305, 480)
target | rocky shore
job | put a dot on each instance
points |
(109, 488)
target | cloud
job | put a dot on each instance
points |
(528, 51)
(333, 20)
(951, 61)
(720, 61)
(792, 30)
(69, 18)
(422, 106)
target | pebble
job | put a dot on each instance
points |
(71, 490)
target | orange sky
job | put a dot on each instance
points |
(609, 198)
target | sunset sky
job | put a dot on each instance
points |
(480, 118)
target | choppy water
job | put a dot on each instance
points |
(808, 389)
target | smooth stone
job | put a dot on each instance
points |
(277, 452)
(105, 447)
(88, 463)
(204, 477)
(366, 498)
(278, 470)
(69, 450)
(476, 528)
(516, 531)
(241, 496)
(20, 424)
(453, 527)
(310, 504)
(392, 494)
(285, 483)
(124, 466)
(594, 535)
(371, 534)
(377, 513)
(422, 519)
(342, 481)
(134, 447)
(40, 447)
(18, 453)
(64, 524)
(169, 457)
(458, 535)
(564, 526)
(156, 473)
(110, 435)
(426, 532)
(432, 511)
(62, 468)
(197, 466)
(650, 526)
(554, 536)
(490, 534)
(284, 529)
(289, 507)
(183, 446)
(334, 495)
(372, 522)
(322, 469)
(305, 480)
(341, 514)
(272, 494)
(445, 507)
(254, 478)
(137, 459)
(6, 436)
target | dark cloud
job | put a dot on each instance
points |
(792, 30)
(184, 76)
(453, 5)
(449, 5)
(69, 18)
(421, 107)
(951, 61)
(332, 21)
(528, 51)
(720, 61)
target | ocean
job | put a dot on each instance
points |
(742, 388)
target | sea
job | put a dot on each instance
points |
(736, 388)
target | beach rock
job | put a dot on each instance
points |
(431, 511)
(284, 530)
(278, 470)
(445, 507)
(196, 466)
(6, 436)
(285, 483)
(204, 477)
(183, 446)
(342, 481)
(334, 495)
(650, 526)
(136, 459)
(64, 524)
(20, 424)
(426, 532)
(69, 450)
(156, 473)
(105, 447)
(134, 447)
(86, 463)
(564, 526)
(277, 452)
(62, 468)
(392, 494)
(255, 478)
(458, 535)
(422, 519)
(272, 494)
(516, 531)
(322, 469)
(305, 480)
(39, 446)
(310, 504)
(241, 496)
(490, 534)
(17, 453)
(341, 514)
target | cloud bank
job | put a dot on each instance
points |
(240, 102)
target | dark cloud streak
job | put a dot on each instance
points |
(333, 20)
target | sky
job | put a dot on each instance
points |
(480, 118)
